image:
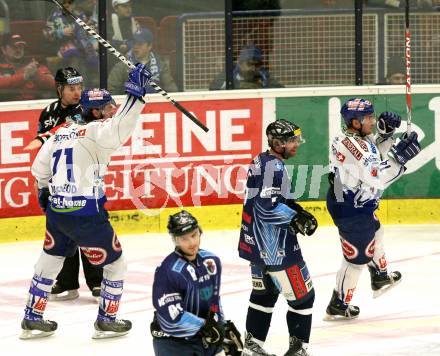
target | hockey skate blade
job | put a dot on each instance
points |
(328, 317)
(70, 295)
(34, 334)
(98, 335)
(379, 292)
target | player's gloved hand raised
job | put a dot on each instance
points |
(43, 198)
(407, 148)
(304, 222)
(138, 80)
(387, 123)
(213, 331)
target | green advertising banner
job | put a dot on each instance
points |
(320, 121)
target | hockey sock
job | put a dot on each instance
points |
(299, 325)
(259, 315)
(299, 317)
(111, 292)
(347, 279)
(37, 300)
(379, 262)
(258, 323)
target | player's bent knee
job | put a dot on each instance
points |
(116, 270)
(304, 305)
(48, 266)
(267, 300)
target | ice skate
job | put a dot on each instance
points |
(252, 348)
(383, 282)
(58, 293)
(296, 347)
(108, 329)
(33, 329)
(338, 310)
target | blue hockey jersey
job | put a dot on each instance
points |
(265, 236)
(184, 292)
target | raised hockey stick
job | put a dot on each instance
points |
(130, 65)
(408, 68)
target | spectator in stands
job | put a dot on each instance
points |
(75, 47)
(249, 72)
(123, 26)
(396, 70)
(142, 53)
(21, 78)
(4, 17)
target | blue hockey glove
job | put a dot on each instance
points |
(304, 223)
(43, 198)
(213, 331)
(387, 123)
(138, 80)
(407, 148)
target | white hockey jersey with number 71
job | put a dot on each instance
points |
(72, 163)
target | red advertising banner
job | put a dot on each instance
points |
(168, 161)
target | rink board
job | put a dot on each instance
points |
(221, 217)
(169, 162)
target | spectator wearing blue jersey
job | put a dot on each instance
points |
(186, 295)
(271, 220)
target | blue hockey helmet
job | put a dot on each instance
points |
(356, 108)
(94, 99)
(181, 223)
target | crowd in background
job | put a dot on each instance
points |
(37, 38)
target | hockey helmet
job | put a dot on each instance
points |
(181, 223)
(356, 108)
(284, 131)
(68, 76)
(94, 99)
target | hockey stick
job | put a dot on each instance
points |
(408, 69)
(130, 65)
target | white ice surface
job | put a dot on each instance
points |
(405, 321)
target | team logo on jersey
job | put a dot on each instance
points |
(95, 255)
(340, 157)
(352, 148)
(49, 241)
(349, 251)
(206, 293)
(210, 265)
(192, 272)
(115, 243)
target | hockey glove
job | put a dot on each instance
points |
(232, 344)
(213, 331)
(387, 123)
(138, 80)
(304, 223)
(407, 148)
(43, 198)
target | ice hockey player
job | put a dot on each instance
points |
(271, 220)
(69, 170)
(362, 166)
(186, 296)
(69, 85)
